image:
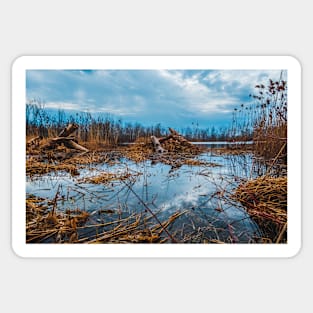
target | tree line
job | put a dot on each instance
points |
(106, 129)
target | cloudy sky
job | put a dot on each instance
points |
(174, 98)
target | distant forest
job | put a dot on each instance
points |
(109, 130)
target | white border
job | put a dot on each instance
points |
(24, 63)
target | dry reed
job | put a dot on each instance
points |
(265, 199)
(177, 153)
(107, 177)
(40, 168)
(49, 225)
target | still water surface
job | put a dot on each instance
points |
(165, 190)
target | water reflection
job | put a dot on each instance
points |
(164, 191)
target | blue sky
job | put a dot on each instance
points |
(174, 98)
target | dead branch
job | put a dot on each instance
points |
(65, 139)
(68, 130)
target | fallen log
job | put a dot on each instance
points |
(156, 145)
(65, 139)
(73, 145)
(68, 142)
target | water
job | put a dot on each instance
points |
(164, 190)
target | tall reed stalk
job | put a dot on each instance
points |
(265, 121)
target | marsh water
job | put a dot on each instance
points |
(164, 190)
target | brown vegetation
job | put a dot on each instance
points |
(46, 224)
(102, 130)
(106, 177)
(173, 150)
(267, 119)
(265, 199)
(56, 149)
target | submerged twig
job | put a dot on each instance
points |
(145, 205)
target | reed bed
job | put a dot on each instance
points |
(46, 224)
(141, 150)
(144, 146)
(137, 231)
(68, 161)
(265, 199)
(197, 162)
(96, 157)
(101, 130)
(34, 168)
(106, 177)
(177, 153)
(264, 120)
(176, 146)
(238, 149)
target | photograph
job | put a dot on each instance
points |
(156, 156)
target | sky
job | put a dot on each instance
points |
(174, 98)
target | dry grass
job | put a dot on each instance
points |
(136, 230)
(232, 150)
(177, 153)
(40, 168)
(67, 160)
(271, 141)
(265, 199)
(196, 162)
(45, 224)
(141, 150)
(107, 177)
(176, 146)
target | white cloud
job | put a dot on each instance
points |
(241, 78)
(147, 95)
(190, 85)
(197, 96)
(62, 105)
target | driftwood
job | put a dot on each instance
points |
(68, 130)
(67, 142)
(174, 142)
(73, 145)
(65, 139)
(156, 145)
